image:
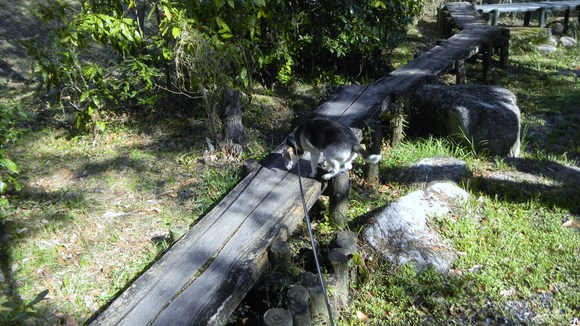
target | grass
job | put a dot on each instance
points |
(94, 211)
(91, 216)
(518, 257)
(512, 254)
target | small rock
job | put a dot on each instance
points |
(567, 42)
(557, 28)
(546, 49)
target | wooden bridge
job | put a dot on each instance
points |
(206, 274)
(541, 8)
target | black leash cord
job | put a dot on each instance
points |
(314, 246)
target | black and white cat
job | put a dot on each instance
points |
(327, 141)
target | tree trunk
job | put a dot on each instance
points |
(232, 119)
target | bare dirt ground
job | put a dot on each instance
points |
(17, 24)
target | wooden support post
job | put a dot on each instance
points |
(346, 241)
(232, 117)
(542, 18)
(486, 17)
(396, 108)
(372, 175)
(178, 230)
(280, 256)
(504, 48)
(298, 305)
(278, 317)
(441, 20)
(318, 311)
(527, 17)
(486, 61)
(567, 20)
(449, 26)
(495, 17)
(339, 263)
(460, 72)
(338, 201)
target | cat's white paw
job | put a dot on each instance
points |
(327, 176)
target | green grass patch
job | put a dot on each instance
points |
(511, 254)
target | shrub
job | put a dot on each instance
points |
(122, 53)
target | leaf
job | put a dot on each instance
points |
(9, 164)
(10, 304)
(222, 24)
(259, 3)
(39, 297)
(167, 12)
(176, 32)
(21, 316)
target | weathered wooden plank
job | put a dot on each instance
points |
(435, 62)
(179, 266)
(218, 291)
(187, 262)
(464, 14)
(340, 102)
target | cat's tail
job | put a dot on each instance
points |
(368, 157)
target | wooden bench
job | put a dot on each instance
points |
(203, 277)
(528, 8)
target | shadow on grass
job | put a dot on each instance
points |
(14, 230)
(554, 184)
(551, 183)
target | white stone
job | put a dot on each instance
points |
(546, 49)
(567, 42)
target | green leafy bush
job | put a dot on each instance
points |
(19, 312)
(125, 53)
(9, 115)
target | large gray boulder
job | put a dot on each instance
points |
(484, 116)
(402, 234)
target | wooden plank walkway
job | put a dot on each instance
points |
(528, 7)
(206, 274)
(464, 15)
